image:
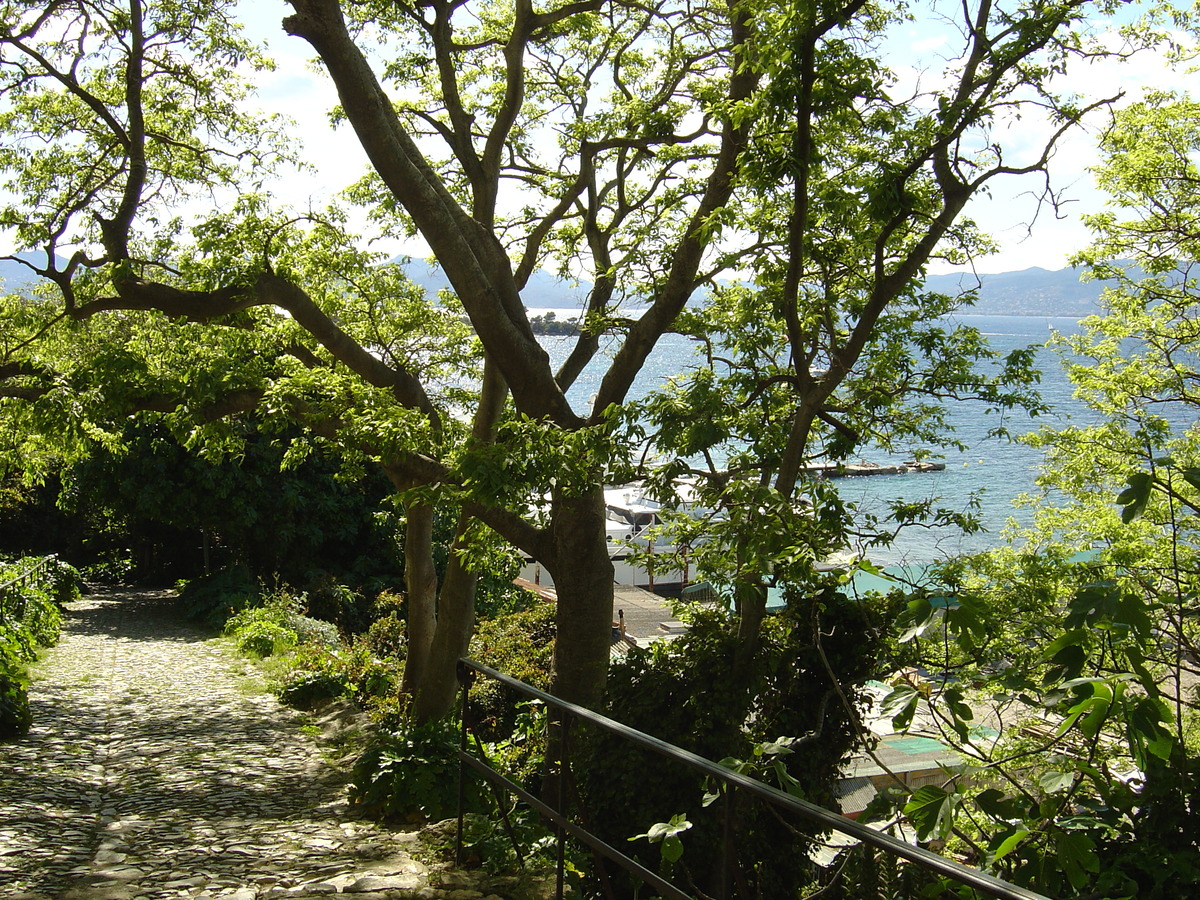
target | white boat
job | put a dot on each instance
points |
(629, 516)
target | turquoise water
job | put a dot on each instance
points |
(996, 470)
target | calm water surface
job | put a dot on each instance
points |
(996, 470)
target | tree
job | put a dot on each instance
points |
(655, 147)
(1081, 644)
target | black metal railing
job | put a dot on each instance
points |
(12, 599)
(732, 785)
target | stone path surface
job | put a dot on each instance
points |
(155, 770)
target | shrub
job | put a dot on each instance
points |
(29, 618)
(66, 583)
(411, 775)
(388, 637)
(264, 638)
(212, 599)
(690, 692)
(304, 688)
(330, 601)
(15, 716)
(313, 631)
(317, 673)
(520, 645)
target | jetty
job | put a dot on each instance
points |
(854, 470)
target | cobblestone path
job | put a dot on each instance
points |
(155, 770)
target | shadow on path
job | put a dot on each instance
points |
(155, 770)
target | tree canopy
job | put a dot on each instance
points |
(1069, 660)
(659, 148)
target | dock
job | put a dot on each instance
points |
(855, 470)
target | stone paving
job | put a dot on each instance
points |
(158, 768)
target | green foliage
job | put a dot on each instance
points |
(66, 582)
(316, 671)
(213, 599)
(689, 692)
(306, 688)
(299, 518)
(277, 626)
(263, 638)
(411, 775)
(388, 636)
(29, 618)
(15, 715)
(667, 836)
(1066, 659)
(520, 644)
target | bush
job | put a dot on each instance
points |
(66, 583)
(29, 618)
(388, 637)
(690, 693)
(212, 599)
(305, 688)
(317, 673)
(264, 638)
(520, 645)
(15, 716)
(330, 601)
(411, 775)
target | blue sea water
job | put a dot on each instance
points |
(995, 470)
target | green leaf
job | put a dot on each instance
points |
(1007, 841)
(1077, 856)
(672, 848)
(1192, 477)
(931, 809)
(996, 805)
(1135, 497)
(1053, 782)
(901, 705)
(920, 615)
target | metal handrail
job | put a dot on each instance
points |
(34, 570)
(924, 859)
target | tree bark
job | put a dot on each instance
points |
(420, 579)
(583, 579)
(434, 697)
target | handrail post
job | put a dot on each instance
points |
(564, 721)
(465, 677)
(728, 799)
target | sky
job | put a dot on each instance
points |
(1028, 236)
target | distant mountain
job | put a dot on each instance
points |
(16, 277)
(544, 291)
(1029, 292)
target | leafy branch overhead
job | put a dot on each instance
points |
(664, 151)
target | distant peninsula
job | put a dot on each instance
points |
(1029, 292)
(549, 323)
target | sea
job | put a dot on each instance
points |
(996, 471)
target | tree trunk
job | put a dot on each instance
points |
(420, 579)
(583, 579)
(451, 615)
(435, 694)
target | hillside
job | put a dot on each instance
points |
(1029, 292)
(16, 277)
(544, 291)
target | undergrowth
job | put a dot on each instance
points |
(30, 619)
